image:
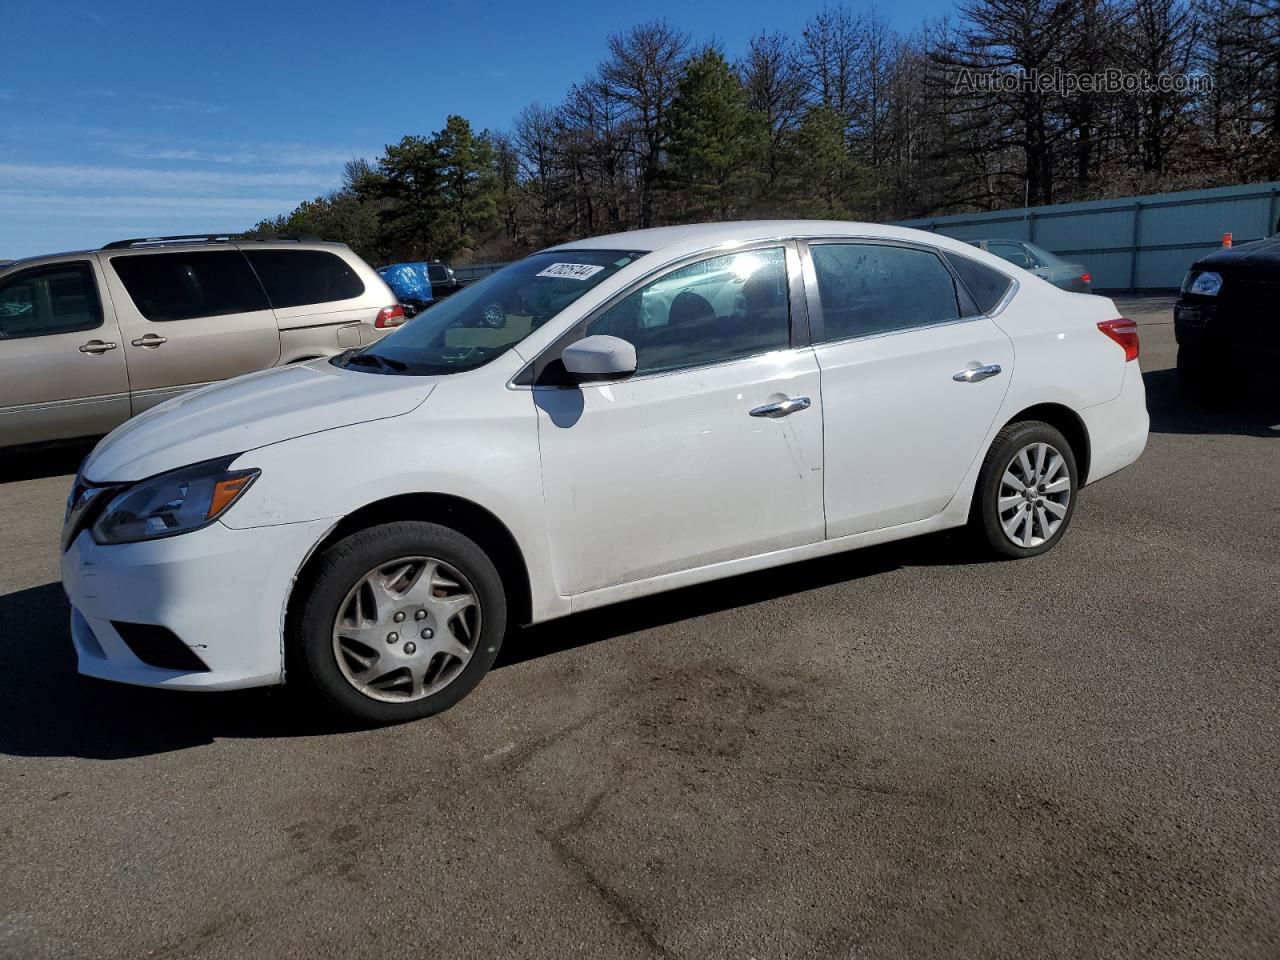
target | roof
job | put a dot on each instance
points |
(692, 238)
(160, 247)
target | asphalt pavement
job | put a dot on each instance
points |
(897, 752)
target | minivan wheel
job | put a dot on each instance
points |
(399, 621)
(1026, 490)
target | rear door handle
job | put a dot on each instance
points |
(976, 374)
(782, 408)
(150, 340)
(97, 347)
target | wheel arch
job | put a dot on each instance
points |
(460, 514)
(1067, 422)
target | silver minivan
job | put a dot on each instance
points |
(89, 339)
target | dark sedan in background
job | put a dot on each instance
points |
(1046, 265)
(1226, 319)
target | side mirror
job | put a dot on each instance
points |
(599, 358)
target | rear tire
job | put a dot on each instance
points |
(396, 622)
(1026, 491)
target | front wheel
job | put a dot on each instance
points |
(1026, 490)
(398, 621)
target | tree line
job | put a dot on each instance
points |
(849, 120)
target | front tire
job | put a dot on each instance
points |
(1026, 491)
(398, 621)
(1199, 374)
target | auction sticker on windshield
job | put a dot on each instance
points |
(574, 271)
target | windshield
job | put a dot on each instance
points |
(486, 319)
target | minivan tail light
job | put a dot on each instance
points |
(1086, 278)
(1124, 332)
(389, 317)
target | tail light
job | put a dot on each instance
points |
(1124, 332)
(1086, 278)
(389, 317)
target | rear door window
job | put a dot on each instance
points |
(187, 284)
(61, 298)
(300, 278)
(872, 288)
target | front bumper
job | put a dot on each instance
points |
(1191, 322)
(221, 592)
(1248, 326)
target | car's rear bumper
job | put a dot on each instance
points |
(1118, 429)
(219, 593)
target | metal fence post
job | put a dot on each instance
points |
(1133, 247)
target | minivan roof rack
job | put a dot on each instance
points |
(200, 238)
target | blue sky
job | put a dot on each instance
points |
(131, 119)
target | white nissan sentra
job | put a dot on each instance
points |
(599, 421)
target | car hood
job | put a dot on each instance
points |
(1263, 255)
(248, 412)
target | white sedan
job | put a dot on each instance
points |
(600, 421)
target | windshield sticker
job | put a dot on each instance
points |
(574, 271)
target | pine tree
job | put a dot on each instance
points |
(717, 143)
(827, 181)
(468, 185)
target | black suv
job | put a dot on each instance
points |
(1226, 319)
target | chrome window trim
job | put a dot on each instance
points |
(893, 333)
(797, 308)
(1007, 298)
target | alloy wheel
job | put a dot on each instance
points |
(1035, 490)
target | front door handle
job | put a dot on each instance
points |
(782, 408)
(150, 340)
(97, 347)
(976, 373)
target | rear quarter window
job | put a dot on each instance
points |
(986, 285)
(300, 278)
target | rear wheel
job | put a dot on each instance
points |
(398, 621)
(1026, 492)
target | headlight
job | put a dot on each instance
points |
(1207, 284)
(172, 503)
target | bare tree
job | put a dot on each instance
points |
(1159, 38)
(534, 138)
(831, 47)
(775, 89)
(872, 83)
(642, 70)
(1021, 37)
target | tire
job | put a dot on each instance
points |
(428, 587)
(988, 520)
(1197, 377)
